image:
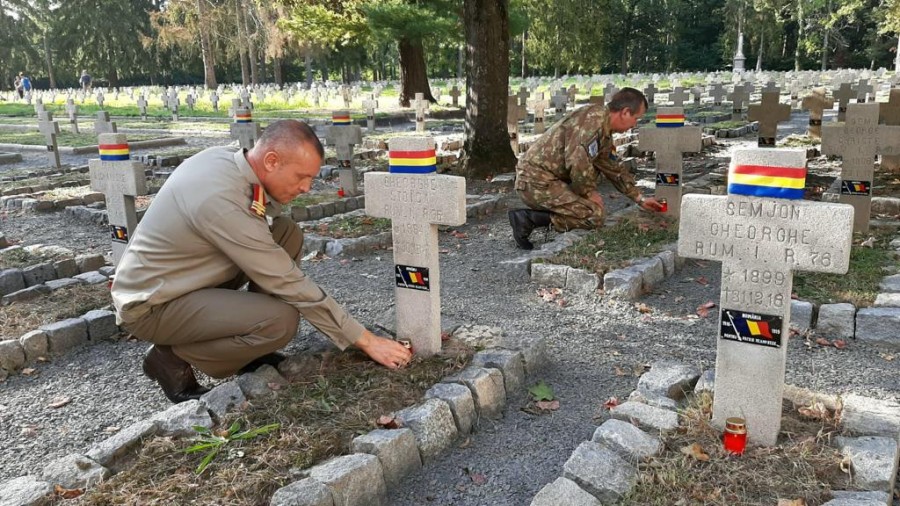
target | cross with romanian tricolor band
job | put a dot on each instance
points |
(342, 134)
(762, 232)
(120, 179)
(244, 129)
(668, 141)
(417, 200)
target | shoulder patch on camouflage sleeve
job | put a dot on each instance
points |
(593, 147)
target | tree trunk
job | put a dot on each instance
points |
(825, 39)
(413, 77)
(524, 63)
(307, 65)
(251, 47)
(48, 57)
(263, 64)
(897, 58)
(800, 32)
(276, 68)
(242, 43)
(762, 37)
(209, 59)
(460, 61)
(487, 150)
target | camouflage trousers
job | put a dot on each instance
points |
(568, 210)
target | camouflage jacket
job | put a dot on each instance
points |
(576, 150)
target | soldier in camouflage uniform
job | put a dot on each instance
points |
(557, 177)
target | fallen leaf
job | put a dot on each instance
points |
(821, 341)
(58, 402)
(611, 403)
(791, 502)
(619, 371)
(345, 261)
(887, 356)
(640, 369)
(847, 465)
(389, 422)
(643, 308)
(868, 243)
(702, 280)
(695, 451)
(562, 302)
(112, 429)
(274, 386)
(67, 493)
(28, 371)
(479, 479)
(679, 299)
(465, 444)
(817, 411)
(839, 344)
(445, 336)
(645, 227)
(541, 392)
(459, 235)
(547, 405)
(703, 309)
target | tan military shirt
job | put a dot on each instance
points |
(576, 150)
(200, 233)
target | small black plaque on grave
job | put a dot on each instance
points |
(860, 188)
(749, 327)
(119, 234)
(667, 179)
(414, 278)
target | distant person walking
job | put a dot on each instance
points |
(18, 84)
(85, 81)
(26, 84)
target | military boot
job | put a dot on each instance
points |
(524, 221)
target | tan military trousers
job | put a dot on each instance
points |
(568, 210)
(219, 330)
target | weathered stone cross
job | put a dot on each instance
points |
(416, 200)
(678, 96)
(244, 129)
(421, 108)
(889, 114)
(761, 237)
(863, 88)
(454, 93)
(142, 106)
(857, 141)
(173, 102)
(370, 105)
(668, 140)
(816, 102)
(559, 101)
(523, 96)
(50, 129)
(769, 112)
(738, 97)
(99, 99)
(214, 100)
(697, 91)
(650, 92)
(514, 114)
(843, 95)
(539, 105)
(102, 125)
(342, 134)
(717, 92)
(120, 179)
(72, 111)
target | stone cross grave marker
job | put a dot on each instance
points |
(668, 140)
(173, 102)
(738, 98)
(454, 94)
(771, 87)
(142, 106)
(697, 91)
(244, 129)
(260, 95)
(863, 88)
(121, 180)
(416, 200)
(816, 103)
(843, 95)
(246, 103)
(597, 99)
(609, 90)
(514, 114)
(370, 105)
(857, 141)
(214, 100)
(102, 125)
(559, 101)
(769, 112)
(570, 93)
(889, 114)
(717, 92)
(235, 105)
(345, 94)
(72, 111)
(190, 100)
(762, 232)
(539, 105)
(650, 92)
(100, 99)
(523, 96)
(38, 106)
(342, 134)
(50, 129)
(421, 108)
(678, 96)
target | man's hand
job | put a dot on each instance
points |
(597, 199)
(386, 352)
(651, 204)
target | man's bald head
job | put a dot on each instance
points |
(287, 133)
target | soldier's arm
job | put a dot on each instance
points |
(578, 161)
(620, 177)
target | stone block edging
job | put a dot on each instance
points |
(605, 469)
(379, 460)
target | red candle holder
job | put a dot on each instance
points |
(734, 439)
(340, 192)
(663, 205)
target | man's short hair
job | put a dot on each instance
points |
(287, 132)
(628, 98)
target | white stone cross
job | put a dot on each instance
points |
(717, 92)
(889, 114)
(559, 101)
(245, 99)
(650, 93)
(235, 105)
(421, 108)
(539, 105)
(668, 140)
(120, 179)
(370, 105)
(523, 95)
(244, 129)
(761, 238)
(214, 99)
(417, 202)
(769, 112)
(738, 97)
(99, 99)
(697, 91)
(50, 129)
(609, 90)
(190, 101)
(72, 111)
(857, 141)
(816, 103)
(678, 96)
(843, 95)
(343, 135)
(454, 93)
(142, 106)
(102, 125)
(173, 102)
(514, 114)
(863, 88)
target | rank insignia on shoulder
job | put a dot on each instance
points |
(593, 147)
(258, 205)
(613, 156)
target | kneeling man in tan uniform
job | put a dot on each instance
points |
(205, 236)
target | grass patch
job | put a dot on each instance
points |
(64, 138)
(726, 125)
(352, 226)
(20, 258)
(802, 466)
(69, 302)
(799, 141)
(311, 199)
(601, 251)
(860, 285)
(338, 398)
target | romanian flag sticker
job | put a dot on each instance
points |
(243, 117)
(669, 120)
(767, 181)
(258, 205)
(114, 152)
(753, 328)
(413, 162)
(667, 179)
(414, 278)
(118, 233)
(342, 118)
(861, 188)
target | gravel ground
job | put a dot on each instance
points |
(587, 339)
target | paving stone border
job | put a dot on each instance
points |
(84, 150)
(604, 469)
(449, 411)
(6, 158)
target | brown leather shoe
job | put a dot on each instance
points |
(174, 375)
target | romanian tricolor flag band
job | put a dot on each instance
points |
(413, 162)
(258, 205)
(340, 118)
(114, 152)
(669, 120)
(243, 117)
(779, 175)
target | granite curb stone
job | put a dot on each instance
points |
(487, 389)
(65, 335)
(306, 492)
(354, 480)
(510, 363)
(874, 460)
(107, 451)
(100, 324)
(180, 419)
(648, 417)
(600, 471)
(24, 491)
(432, 424)
(564, 491)
(74, 471)
(669, 379)
(627, 440)
(459, 399)
(395, 449)
(879, 325)
(836, 321)
(223, 398)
